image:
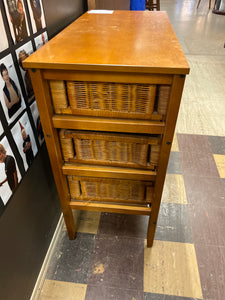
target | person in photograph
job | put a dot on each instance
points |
(23, 26)
(14, 18)
(36, 8)
(27, 147)
(10, 169)
(29, 88)
(43, 38)
(11, 92)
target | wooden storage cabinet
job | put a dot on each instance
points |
(109, 113)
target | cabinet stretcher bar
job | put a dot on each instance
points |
(109, 172)
(120, 209)
(106, 124)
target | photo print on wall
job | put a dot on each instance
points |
(22, 53)
(41, 40)
(25, 141)
(4, 42)
(10, 93)
(36, 15)
(37, 122)
(9, 172)
(17, 19)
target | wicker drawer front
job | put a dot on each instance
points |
(109, 190)
(105, 99)
(110, 149)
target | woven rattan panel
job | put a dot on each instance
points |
(120, 100)
(109, 190)
(128, 150)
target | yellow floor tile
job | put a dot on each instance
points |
(171, 268)
(86, 221)
(174, 189)
(60, 290)
(175, 144)
(220, 163)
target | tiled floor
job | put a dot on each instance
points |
(109, 258)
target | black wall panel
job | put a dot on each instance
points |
(26, 229)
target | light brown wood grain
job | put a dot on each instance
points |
(174, 103)
(107, 124)
(130, 41)
(122, 77)
(108, 172)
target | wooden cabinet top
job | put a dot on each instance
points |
(125, 41)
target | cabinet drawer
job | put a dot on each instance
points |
(110, 190)
(116, 100)
(125, 150)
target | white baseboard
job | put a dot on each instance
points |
(41, 277)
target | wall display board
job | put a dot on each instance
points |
(29, 216)
(36, 14)
(23, 31)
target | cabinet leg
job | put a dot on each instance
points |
(70, 224)
(151, 232)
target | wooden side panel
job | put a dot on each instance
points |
(91, 4)
(174, 104)
(42, 95)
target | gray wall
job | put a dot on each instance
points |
(113, 4)
(29, 220)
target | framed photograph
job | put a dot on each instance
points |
(25, 141)
(9, 172)
(10, 93)
(4, 42)
(22, 53)
(17, 19)
(41, 40)
(37, 122)
(36, 15)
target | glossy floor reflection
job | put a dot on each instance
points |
(109, 258)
